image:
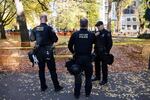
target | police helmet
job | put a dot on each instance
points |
(109, 59)
(75, 69)
(69, 63)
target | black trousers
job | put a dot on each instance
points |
(101, 66)
(52, 69)
(87, 68)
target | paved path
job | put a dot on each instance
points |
(128, 78)
(121, 86)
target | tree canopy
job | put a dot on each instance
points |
(69, 12)
(7, 14)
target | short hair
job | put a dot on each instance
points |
(83, 22)
(43, 17)
(99, 23)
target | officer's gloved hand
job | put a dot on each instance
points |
(74, 56)
(35, 59)
(107, 52)
(36, 46)
(97, 33)
(53, 49)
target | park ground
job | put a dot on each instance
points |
(129, 77)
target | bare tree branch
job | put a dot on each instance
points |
(1, 1)
(44, 8)
(7, 15)
(11, 17)
(6, 7)
(7, 23)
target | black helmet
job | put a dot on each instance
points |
(69, 63)
(30, 55)
(109, 59)
(75, 69)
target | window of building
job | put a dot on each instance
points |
(134, 19)
(128, 7)
(123, 27)
(132, 11)
(106, 8)
(129, 27)
(129, 11)
(135, 27)
(134, 3)
(106, 3)
(128, 19)
(126, 11)
(106, 15)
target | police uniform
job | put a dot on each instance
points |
(80, 44)
(102, 47)
(45, 37)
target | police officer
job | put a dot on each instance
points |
(45, 38)
(102, 47)
(80, 45)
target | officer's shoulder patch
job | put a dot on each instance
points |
(109, 33)
(85, 36)
(39, 28)
(102, 35)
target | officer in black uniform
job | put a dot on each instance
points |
(102, 47)
(80, 45)
(45, 38)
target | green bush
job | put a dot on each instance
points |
(144, 36)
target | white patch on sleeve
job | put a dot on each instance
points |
(83, 36)
(40, 29)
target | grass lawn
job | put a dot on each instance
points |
(63, 41)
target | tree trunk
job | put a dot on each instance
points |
(140, 26)
(2, 31)
(22, 24)
(108, 16)
(118, 17)
(23, 30)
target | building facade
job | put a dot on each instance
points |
(129, 20)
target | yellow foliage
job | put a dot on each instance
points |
(146, 51)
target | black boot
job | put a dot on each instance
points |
(58, 88)
(87, 95)
(43, 88)
(95, 79)
(103, 83)
(77, 96)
